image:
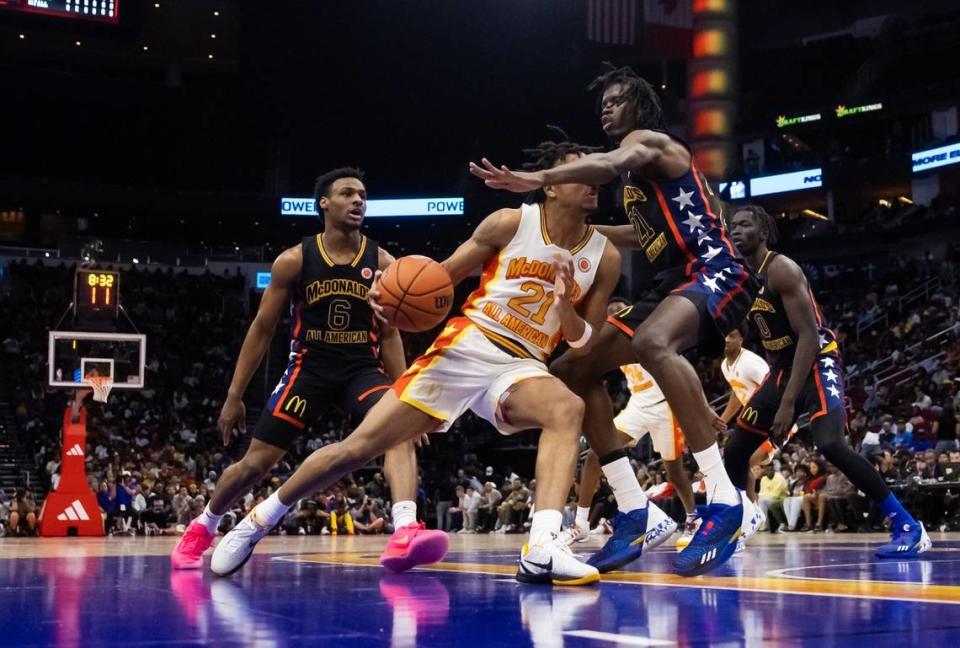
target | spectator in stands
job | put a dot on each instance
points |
(107, 499)
(23, 514)
(370, 518)
(923, 401)
(487, 512)
(773, 490)
(446, 492)
(470, 504)
(811, 496)
(491, 476)
(946, 429)
(455, 516)
(341, 522)
(793, 502)
(514, 507)
(889, 471)
(832, 500)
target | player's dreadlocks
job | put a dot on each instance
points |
(764, 221)
(637, 92)
(546, 155)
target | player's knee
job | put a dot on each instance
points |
(651, 346)
(565, 415)
(253, 467)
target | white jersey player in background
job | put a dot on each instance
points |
(647, 412)
(745, 371)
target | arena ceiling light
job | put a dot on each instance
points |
(382, 208)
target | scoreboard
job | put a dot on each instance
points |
(106, 11)
(96, 294)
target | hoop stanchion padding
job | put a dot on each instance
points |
(72, 509)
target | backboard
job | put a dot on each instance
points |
(72, 355)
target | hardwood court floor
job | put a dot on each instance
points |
(797, 590)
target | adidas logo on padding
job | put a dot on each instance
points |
(75, 451)
(74, 512)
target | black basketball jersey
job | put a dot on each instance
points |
(330, 320)
(679, 224)
(769, 319)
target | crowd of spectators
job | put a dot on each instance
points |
(154, 455)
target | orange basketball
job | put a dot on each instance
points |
(416, 293)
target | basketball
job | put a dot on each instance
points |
(416, 293)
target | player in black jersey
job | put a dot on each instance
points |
(806, 377)
(701, 291)
(339, 357)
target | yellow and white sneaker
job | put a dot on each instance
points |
(551, 561)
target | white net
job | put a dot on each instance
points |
(101, 386)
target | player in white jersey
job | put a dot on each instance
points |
(647, 412)
(491, 361)
(745, 371)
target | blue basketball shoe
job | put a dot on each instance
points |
(633, 533)
(716, 539)
(907, 541)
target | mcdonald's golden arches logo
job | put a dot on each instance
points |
(299, 405)
(750, 415)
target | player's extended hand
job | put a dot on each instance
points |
(373, 298)
(424, 440)
(504, 178)
(783, 421)
(233, 414)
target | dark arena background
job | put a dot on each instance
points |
(157, 157)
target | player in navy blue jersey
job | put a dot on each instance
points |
(806, 376)
(701, 290)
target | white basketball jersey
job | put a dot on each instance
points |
(745, 374)
(644, 390)
(513, 304)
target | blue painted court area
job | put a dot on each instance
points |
(318, 591)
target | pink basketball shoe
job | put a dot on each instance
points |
(414, 545)
(188, 554)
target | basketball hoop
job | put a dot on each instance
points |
(101, 386)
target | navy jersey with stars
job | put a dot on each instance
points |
(679, 225)
(768, 317)
(822, 393)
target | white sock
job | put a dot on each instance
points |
(543, 523)
(209, 520)
(270, 511)
(404, 513)
(625, 486)
(583, 517)
(720, 490)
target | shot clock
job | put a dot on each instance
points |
(96, 294)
